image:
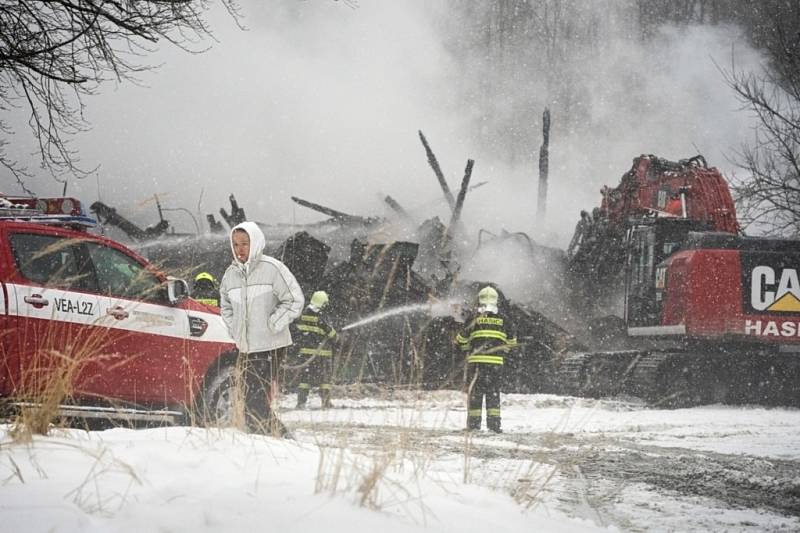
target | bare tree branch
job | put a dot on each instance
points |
(55, 53)
(768, 192)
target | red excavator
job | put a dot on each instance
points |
(710, 315)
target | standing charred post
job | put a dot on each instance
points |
(438, 171)
(455, 218)
(462, 194)
(544, 155)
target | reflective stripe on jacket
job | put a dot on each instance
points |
(485, 338)
(314, 334)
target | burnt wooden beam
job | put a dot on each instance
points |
(237, 215)
(397, 208)
(109, 215)
(322, 209)
(213, 225)
(438, 171)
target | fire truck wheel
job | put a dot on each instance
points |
(223, 398)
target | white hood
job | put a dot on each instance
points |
(257, 243)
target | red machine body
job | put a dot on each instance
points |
(652, 183)
(735, 287)
(709, 314)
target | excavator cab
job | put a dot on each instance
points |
(650, 243)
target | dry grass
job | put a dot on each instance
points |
(52, 374)
(372, 478)
(224, 403)
(376, 476)
(529, 484)
(88, 496)
(390, 465)
(330, 465)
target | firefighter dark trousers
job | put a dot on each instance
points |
(483, 380)
(261, 385)
(316, 372)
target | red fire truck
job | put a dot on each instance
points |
(84, 313)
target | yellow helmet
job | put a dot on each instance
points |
(206, 276)
(487, 296)
(319, 299)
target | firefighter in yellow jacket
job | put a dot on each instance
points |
(205, 289)
(314, 345)
(486, 338)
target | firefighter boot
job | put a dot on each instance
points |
(325, 396)
(493, 422)
(302, 395)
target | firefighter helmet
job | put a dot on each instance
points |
(487, 296)
(319, 299)
(205, 276)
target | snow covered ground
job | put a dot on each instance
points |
(399, 462)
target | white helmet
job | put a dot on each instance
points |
(487, 296)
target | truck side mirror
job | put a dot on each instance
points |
(177, 289)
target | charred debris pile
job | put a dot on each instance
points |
(396, 303)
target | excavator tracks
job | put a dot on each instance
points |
(676, 379)
(597, 374)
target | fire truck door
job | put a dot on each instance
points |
(151, 335)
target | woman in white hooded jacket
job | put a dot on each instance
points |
(259, 298)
